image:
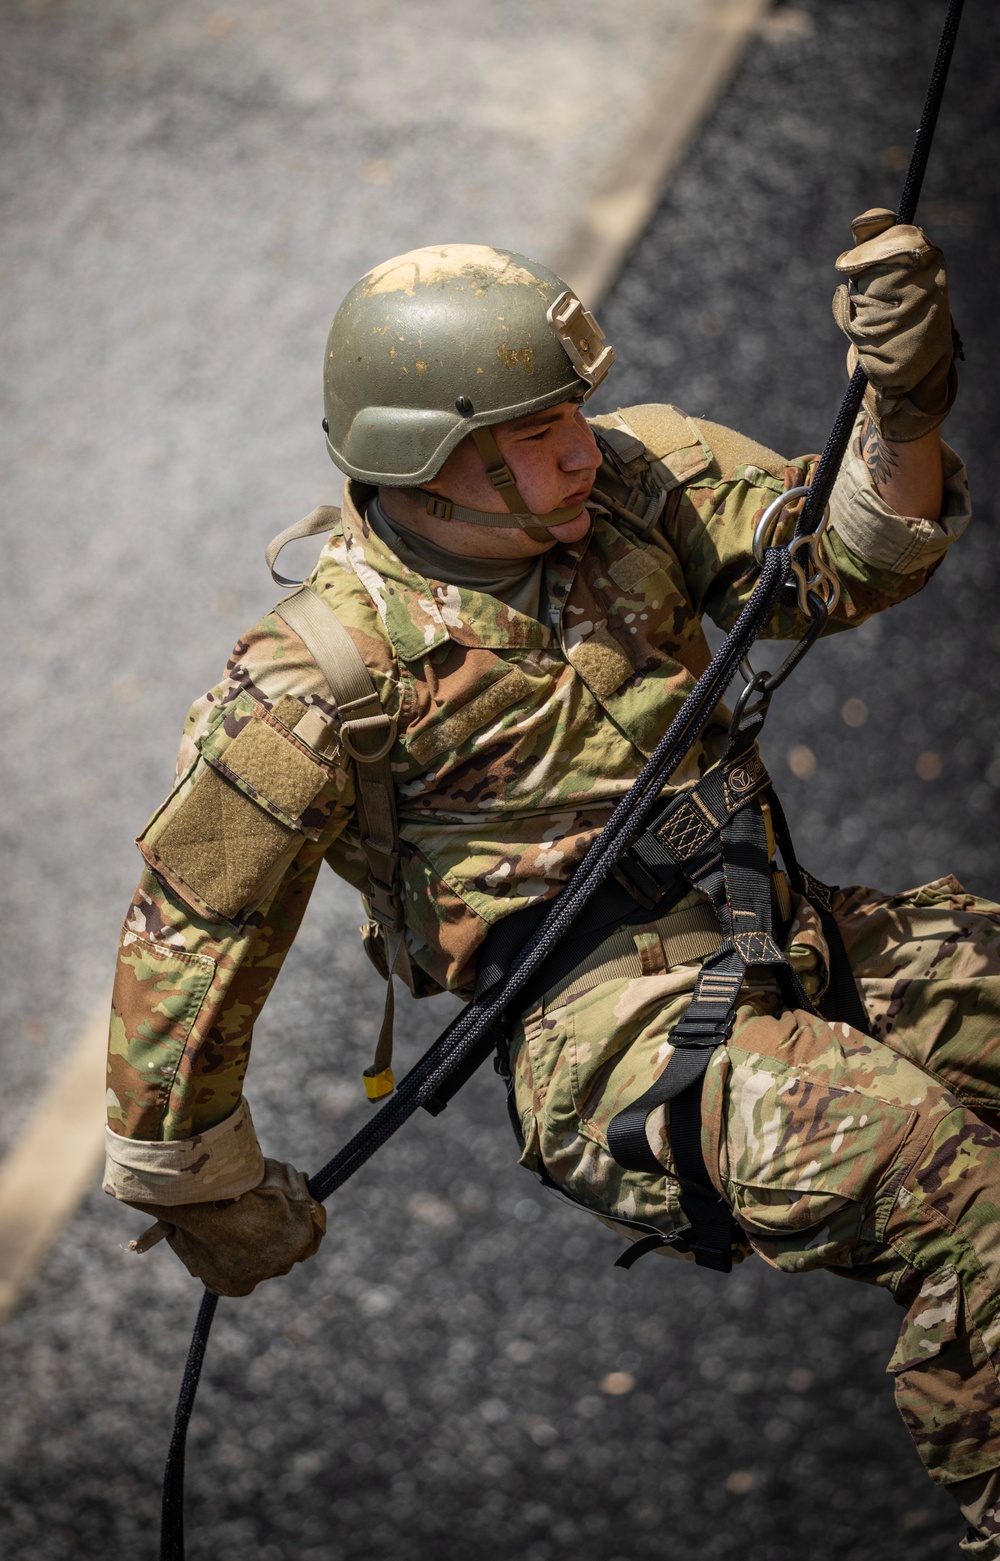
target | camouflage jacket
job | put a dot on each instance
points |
(515, 739)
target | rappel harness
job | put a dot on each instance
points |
(718, 837)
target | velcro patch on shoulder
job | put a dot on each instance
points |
(674, 447)
(662, 428)
(732, 449)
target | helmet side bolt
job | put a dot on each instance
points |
(326, 425)
(464, 406)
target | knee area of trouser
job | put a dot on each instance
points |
(978, 1500)
(946, 1384)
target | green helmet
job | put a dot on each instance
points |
(442, 342)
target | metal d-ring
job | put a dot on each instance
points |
(759, 685)
(768, 522)
(813, 578)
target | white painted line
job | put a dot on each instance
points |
(667, 119)
(53, 1162)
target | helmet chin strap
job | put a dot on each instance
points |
(518, 518)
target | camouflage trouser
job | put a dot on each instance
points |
(874, 1158)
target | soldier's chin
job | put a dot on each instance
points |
(572, 530)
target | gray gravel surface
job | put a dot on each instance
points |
(431, 1386)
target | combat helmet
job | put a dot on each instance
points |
(442, 342)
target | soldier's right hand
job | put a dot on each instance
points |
(233, 1244)
(894, 311)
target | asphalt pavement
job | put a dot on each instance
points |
(461, 1373)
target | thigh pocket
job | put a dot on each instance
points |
(790, 1133)
(794, 1230)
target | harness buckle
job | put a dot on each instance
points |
(366, 732)
(641, 885)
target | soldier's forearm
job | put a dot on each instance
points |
(909, 477)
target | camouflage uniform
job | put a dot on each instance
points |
(515, 740)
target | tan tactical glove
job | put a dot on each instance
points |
(234, 1243)
(894, 311)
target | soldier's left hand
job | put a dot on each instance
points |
(894, 311)
(233, 1244)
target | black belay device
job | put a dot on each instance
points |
(712, 836)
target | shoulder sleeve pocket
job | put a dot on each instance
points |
(236, 821)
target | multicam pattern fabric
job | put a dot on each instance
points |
(874, 1157)
(515, 740)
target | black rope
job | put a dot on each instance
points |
(826, 472)
(172, 1508)
(907, 208)
(626, 823)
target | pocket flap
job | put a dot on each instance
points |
(931, 1322)
(271, 767)
(505, 687)
(233, 824)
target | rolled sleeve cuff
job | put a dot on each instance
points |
(224, 1162)
(872, 530)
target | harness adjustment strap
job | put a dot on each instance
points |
(367, 735)
(722, 840)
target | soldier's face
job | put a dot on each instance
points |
(554, 458)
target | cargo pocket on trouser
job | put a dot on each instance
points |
(946, 1388)
(234, 824)
(566, 1145)
(796, 1231)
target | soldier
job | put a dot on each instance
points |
(526, 589)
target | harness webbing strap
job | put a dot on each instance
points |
(719, 833)
(367, 734)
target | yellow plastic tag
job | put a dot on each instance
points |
(379, 1084)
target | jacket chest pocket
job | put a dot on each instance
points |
(465, 696)
(629, 627)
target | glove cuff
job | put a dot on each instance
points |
(904, 418)
(223, 1162)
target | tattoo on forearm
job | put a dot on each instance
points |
(880, 460)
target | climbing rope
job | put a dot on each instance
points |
(488, 1014)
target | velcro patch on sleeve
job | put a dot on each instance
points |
(289, 710)
(222, 845)
(273, 770)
